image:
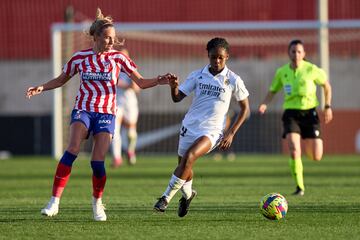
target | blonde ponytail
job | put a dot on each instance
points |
(100, 23)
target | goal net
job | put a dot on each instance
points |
(256, 50)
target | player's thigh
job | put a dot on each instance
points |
(103, 130)
(78, 132)
(200, 147)
(294, 142)
(127, 124)
(131, 116)
(119, 116)
(314, 148)
(101, 145)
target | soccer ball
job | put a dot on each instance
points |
(273, 206)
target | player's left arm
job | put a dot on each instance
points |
(327, 107)
(240, 119)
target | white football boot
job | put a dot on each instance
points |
(52, 208)
(98, 209)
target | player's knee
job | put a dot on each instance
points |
(98, 155)
(191, 156)
(295, 154)
(188, 160)
(317, 158)
(132, 133)
(73, 149)
(294, 150)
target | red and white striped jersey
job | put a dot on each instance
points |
(98, 77)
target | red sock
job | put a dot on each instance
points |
(61, 177)
(98, 186)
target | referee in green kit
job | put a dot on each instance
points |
(298, 79)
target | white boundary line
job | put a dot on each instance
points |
(220, 26)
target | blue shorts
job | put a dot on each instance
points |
(94, 122)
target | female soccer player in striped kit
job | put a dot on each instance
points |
(95, 107)
(203, 126)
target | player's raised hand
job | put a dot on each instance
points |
(32, 91)
(163, 79)
(173, 81)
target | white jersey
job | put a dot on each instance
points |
(212, 96)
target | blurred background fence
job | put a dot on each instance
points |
(255, 54)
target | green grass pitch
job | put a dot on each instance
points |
(227, 205)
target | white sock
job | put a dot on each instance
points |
(97, 200)
(174, 185)
(186, 189)
(132, 137)
(55, 200)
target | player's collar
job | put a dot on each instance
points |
(222, 73)
(299, 66)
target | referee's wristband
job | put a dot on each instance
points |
(327, 106)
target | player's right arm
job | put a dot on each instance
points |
(176, 94)
(52, 84)
(275, 86)
(263, 106)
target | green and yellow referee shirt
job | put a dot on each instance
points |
(299, 85)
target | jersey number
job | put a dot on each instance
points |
(183, 131)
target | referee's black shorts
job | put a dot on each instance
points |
(304, 122)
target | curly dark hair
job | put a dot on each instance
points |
(216, 43)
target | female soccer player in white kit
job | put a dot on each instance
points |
(204, 123)
(127, 116)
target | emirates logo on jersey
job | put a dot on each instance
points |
(210, 90)
(96, 76)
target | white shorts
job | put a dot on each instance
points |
(188, 137)
(128, 108)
